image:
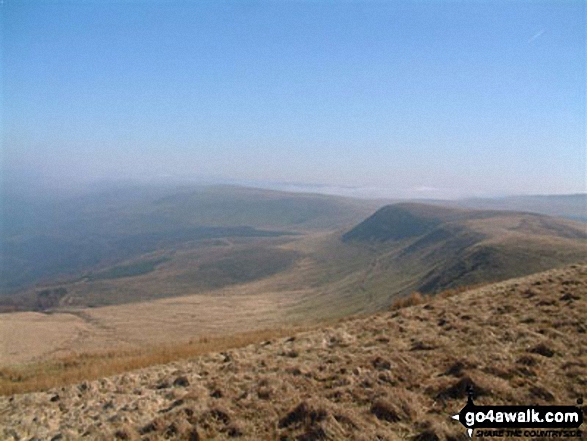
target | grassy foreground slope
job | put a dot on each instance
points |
(396, 375)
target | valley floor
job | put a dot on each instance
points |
(395, 375)
(272, 302)
(33, 336)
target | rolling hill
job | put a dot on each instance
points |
(447, 248)
(570, 206)
(319, 273)
(42, 242)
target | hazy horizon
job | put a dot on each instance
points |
(41, 188)
(430, 100)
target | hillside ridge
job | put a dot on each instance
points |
(409, 219)
(446, 247)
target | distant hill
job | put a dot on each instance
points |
(431, 248)
(64, 237)
(237, 206)
(132, 244)
(401, 221)
(570, 206)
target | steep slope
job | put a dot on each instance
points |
(395, 375)
(434, 248)
(401, 221)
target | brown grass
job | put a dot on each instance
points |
(455, 291)
(74, 368)
(390, 376)
(85, 366)
(417, 298)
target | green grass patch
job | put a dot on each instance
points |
(129, 270)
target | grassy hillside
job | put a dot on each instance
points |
(40, 241)
(415, 247)
(400, 221)
(397, 375)
(399, 249)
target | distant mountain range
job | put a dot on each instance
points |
(571, 206)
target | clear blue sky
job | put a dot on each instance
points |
(406, 98)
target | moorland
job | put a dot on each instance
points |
(130, 268)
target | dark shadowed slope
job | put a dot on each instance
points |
(430, 248)
(402, 221)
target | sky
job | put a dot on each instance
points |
(427, 99)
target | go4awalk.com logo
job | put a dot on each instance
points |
(521, 421)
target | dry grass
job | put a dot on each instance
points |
(455, 291)
(75, 368)
(397, 375)
(415, 298)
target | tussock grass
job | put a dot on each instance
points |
(85, 366)
(455, 291)
(74, 368)
(417, 298)
(393, 375)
